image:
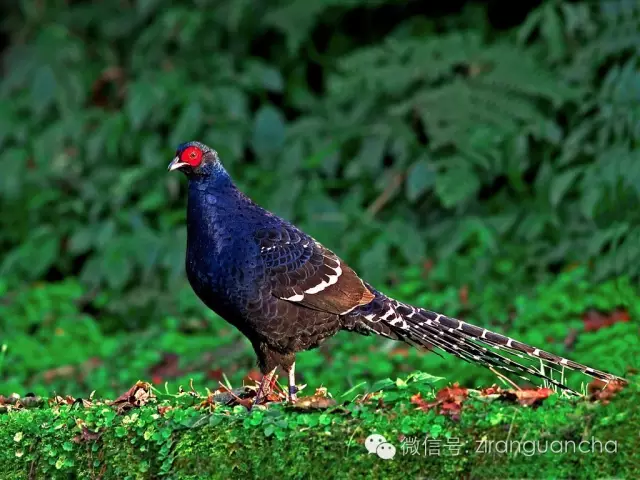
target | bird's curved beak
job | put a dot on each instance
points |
(175, 164)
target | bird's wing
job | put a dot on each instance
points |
(303, 271)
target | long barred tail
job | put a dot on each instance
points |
(424, 328)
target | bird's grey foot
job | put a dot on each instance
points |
(292, 384)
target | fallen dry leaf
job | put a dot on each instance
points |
(532, 396)
(448, 399)
(238, 396)
(162, 409)
(137, 396)
(420, 402)
(525, 396)
(454, 393)
(600, 391)
(492, 390)
(314, 402)
(321, 392)
(366, 398)
(60, 400)
(16, 402)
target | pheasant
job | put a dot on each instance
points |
(288, 293)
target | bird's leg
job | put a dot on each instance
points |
(292, 384)
(265, 387)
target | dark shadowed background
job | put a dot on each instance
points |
(480, 159)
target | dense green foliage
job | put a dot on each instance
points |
(521, 141)
(479, 159)
(492, 438)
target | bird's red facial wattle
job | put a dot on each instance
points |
(190, 156)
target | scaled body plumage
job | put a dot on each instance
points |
(287, 293)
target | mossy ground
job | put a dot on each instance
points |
(188, 436)
(573, 315)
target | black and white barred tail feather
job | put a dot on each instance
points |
(424, 328)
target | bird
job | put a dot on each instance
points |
(287, 293)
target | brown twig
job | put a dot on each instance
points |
(386, 195)
(504, 378)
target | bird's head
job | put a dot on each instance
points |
(195, 159)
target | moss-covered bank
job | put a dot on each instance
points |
(184, 437)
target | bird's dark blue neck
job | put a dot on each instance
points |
(211, 176)
(214, 207)
(209, 195)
